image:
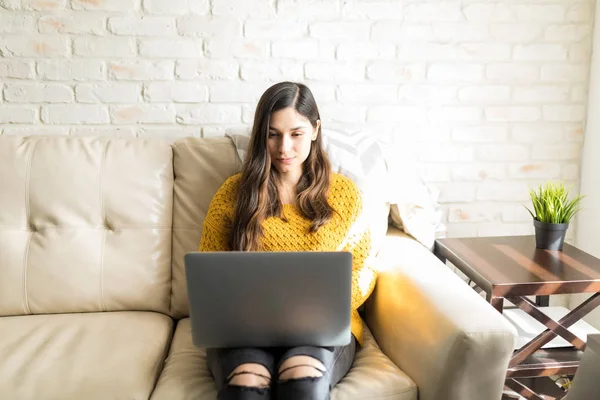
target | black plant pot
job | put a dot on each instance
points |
(549, 236)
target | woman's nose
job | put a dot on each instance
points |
(285, 144)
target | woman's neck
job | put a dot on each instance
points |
(287, 187)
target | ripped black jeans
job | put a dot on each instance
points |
(336, 360)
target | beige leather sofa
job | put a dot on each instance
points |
(92, 290)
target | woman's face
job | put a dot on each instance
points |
(289, 140)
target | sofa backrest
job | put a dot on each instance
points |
(85, 225)
(201, 166)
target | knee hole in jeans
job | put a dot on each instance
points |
(250, 375)
(298, 367)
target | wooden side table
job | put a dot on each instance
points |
(510, 267)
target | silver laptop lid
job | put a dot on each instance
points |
(264, 299)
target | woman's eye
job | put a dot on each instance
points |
(297, 134)
(272, 134)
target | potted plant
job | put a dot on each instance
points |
(552, 211)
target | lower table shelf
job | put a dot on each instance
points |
(548, 362)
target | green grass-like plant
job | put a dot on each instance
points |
(552, 205)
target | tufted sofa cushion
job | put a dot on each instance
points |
(85, 225)
(201, 166)
(82, 356)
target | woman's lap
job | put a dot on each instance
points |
(336, 360)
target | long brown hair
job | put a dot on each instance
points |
(257, 196)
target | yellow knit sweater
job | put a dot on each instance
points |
(342, 232)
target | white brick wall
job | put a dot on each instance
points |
(491, 94)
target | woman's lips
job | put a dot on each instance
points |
(286, 160)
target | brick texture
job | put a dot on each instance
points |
(491, 94)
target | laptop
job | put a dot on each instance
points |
(269, 299)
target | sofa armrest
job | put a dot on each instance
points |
(446, 337)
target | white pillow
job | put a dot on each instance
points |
(415, 210)
(358, 156)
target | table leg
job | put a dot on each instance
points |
(439, 256)
(542, 301)
(438, 252)
(496, 302)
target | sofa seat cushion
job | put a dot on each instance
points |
(373, 376)
(109, 355)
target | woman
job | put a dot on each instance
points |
(287, 199)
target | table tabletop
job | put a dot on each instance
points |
(513, 266)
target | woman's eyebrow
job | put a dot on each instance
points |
(293, 129)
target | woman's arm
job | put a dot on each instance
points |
(217, 224)
(213, 238)
(364, 273)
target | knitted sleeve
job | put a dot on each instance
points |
(217, 224)
(358, 242)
